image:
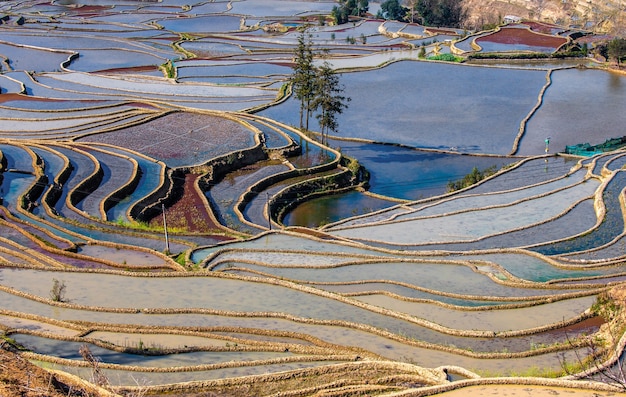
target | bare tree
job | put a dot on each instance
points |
(599, 357)
(99, 378)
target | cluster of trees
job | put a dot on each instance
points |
(473, 177)
(317, 88)
(617, 49)
(614, 50)
(448, 13)
(347, 8)
(392, 9)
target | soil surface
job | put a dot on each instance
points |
(524, 391)
(21, 378)
(522, 36)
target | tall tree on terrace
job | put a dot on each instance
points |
(329, 100)
(303, 76)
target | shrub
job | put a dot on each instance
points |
(473, 177)
(58, 290)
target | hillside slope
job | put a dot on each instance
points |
(601, 17)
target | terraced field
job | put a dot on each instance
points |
(150, 163)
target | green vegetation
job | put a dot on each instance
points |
(471, 178)
(392, 9)
(134, 224)
(303, 76)
(428, 12)
(169, 70)
(617, 50)
(348, 8)
(605, 307)
(282, 92)
(317, 88)
(11, 342)
(446, 58)
(181, 259)
(351, 163)
(441, 12)
(329, 100)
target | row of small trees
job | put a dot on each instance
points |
(316, 87)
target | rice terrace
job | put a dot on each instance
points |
(443, 209)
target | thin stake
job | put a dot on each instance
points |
(167, 241)
(269, 214)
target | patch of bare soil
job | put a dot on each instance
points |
(21, 378)
(189, 213)
(522, 36)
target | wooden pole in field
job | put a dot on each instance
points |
(167, 241)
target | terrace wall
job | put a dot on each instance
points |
(56, 191)
(293, 195)
(35, 191)
(3, 162)
(3, 167)
(171, 190)
(87, 186)
(291, 150)
(215, 169)
(125, 190)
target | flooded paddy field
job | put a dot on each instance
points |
(161, 207)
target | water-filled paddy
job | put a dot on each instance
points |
(287, 288)
(582, 94)
(161, 341)
(221, 23)
(131, 378)
(39, 60)
(348, 337)
(323, 210)
(458, 227)
(70, 350)
(495, 320)
(280, 8)
(446, 116)
(105, 59)
(208, 136)
(611, 227)
(404, 173)
(448, 278)
(257, 297)
(574, 221)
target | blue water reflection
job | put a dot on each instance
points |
(443, 106)
(395, 172)
(409, 174)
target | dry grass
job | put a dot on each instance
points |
(20, 378)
